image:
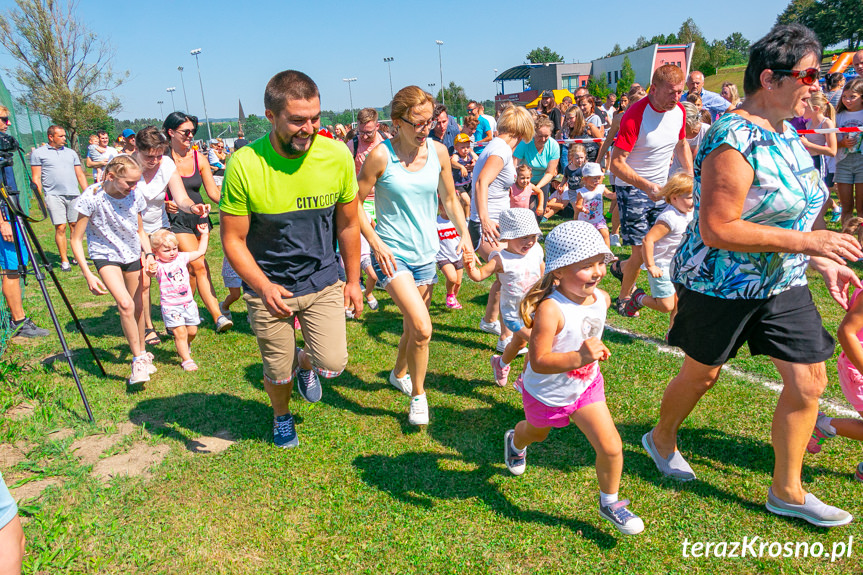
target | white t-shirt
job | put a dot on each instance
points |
(112, 232)
(848, 119)
(519, 274)
(694, 142)
(650, 136)
(449, 239)
(153, 192)
(593, 203)
(498, 189)
(491, 122)
(665, 248)
(581, 322)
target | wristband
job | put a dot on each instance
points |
(150, 254)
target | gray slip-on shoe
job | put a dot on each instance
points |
(675, 466)
(813, 510)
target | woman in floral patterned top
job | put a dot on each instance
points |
(740, 271)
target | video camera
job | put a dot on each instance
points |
(8, 145)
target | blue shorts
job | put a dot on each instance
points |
(638, 213)
(661, 287)
(423, 274)
(512, 325)
(8, 255)
(8, 508)
(849, 170)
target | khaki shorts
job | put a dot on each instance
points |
(322, 317)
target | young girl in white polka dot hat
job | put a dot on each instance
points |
(562, 383)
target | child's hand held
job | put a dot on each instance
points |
(593, 350)
(204, 229)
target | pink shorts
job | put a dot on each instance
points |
(851, 381)
(539, 414)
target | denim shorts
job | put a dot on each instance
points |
(8, 508)
(849, 170)
(423, 274)
(638, 213)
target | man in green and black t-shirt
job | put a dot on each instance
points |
(286, 199)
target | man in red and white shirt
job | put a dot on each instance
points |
(651, 132)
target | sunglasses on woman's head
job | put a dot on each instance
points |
(808, 76)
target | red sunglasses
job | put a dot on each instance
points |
(808, 76)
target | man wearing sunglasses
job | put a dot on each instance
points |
(57, 172)
(484, 132)
(710, 101)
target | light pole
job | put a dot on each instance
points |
(195, 53)
(171, 91)
(161, 111)
(351, 96)
(183, 82)
(440, 63)
(389, 62)
(431, 87)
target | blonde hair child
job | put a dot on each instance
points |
(171, 270)
(518, 267)
(562, 382)
(109, 213)
(660, 244)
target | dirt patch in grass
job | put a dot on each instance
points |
(216, 443)
(61, 434)
(89, 448)
(20, 411)
(135, 462)
(33, 488)
(10, 456)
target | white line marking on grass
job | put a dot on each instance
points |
(833, 405)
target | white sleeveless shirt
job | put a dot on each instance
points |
(581, 322)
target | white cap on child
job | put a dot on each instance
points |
(591, 170)
(572, 242)
(517, 223)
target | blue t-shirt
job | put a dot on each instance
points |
(712, 102)
(482, 130)
(538, 161)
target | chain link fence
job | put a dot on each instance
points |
(29, 129)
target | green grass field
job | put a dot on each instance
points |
(367, 493)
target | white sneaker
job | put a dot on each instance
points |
(403, 384)
(490, 326)
(225, 311)
(373, 303)
(502, 343)
(65, 267)
(615, 240)
(151, 367)
(140, 372)
(419, 411)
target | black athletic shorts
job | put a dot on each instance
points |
(134, 266)
(786, 326)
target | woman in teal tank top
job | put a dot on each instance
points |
(407, 172)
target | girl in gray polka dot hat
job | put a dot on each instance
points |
(518, 267)
(562, 382)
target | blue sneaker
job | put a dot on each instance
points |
(309, 385)
(285, 432)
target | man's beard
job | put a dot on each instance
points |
(289, 147)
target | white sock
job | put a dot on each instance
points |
(828, 423)
(514, 448)
(502, 362)
(606, 499)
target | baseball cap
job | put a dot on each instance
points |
(461, 138)
(571, 242)
(591, 169)
(547, 94)
(128, 132)
(558, 178)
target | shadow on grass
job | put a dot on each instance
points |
(203, 414)
(418, 479)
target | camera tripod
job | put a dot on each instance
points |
(22, 233)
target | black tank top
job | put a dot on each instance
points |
(194, 182)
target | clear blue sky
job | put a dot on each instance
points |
(245, 42)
